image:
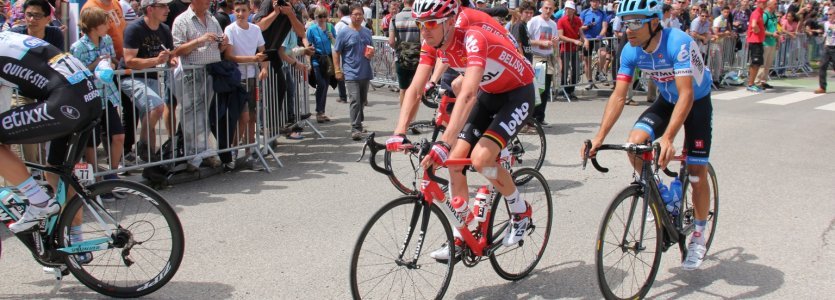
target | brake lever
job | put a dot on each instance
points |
(586, 153)
(363, 151)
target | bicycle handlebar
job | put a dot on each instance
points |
(375, 147)
(628, 147)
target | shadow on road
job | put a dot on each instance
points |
(733, 267)
(574, 279)
(73, 289)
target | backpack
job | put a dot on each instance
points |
(158, 175)
(408, 53)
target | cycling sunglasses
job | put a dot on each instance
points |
(430, 24)
(635, 24)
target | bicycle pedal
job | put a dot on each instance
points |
(56, 272)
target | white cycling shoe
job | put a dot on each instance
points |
(695, 256)
(33, 215)
(519, 224)
(443, 253)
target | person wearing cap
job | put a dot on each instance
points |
(481, 4)
(148, 44)
(570, 33)
(755, 38)
(594, 27)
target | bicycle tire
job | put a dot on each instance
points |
(406, 172)
(158, 218)
(541, 202)
(391, 242)
(529, 149)
(686, 217)
(604, 248)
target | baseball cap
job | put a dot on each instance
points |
(146, 3)
(481, 1)
(570, 4)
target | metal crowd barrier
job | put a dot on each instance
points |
(382, 64)
(199, 129)
(574, 68)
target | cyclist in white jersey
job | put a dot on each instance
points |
(671, 59)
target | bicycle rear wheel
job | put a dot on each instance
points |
(406, 171)
(528, 149)
(687, 215)
(394, 231)
(517, 261)
(627, 265)
(144, 250)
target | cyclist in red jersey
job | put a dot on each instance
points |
(495, 100)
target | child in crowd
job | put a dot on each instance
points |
(246, 48)
(91, 49)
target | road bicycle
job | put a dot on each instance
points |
(637, 227)
(527, 149)
(131, 246)
(389, 260)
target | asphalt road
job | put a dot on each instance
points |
(289, 234)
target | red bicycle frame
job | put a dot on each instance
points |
(432, 192)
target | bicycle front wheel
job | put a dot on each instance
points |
(688, 215)
(628, 250)
(406, 171)
(140, 234)
(391, 258)
(517, 261)
(528, 149)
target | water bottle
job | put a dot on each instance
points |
(103, 69)
(674, 203)
(480, 206)
(664, 191)
(461, 210)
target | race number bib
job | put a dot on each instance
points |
(70, 67)
(84, 172)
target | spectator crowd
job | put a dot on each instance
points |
(225, 48)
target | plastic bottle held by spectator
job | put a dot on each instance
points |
(104, 71)
(481, 205)
(674, 204)
(461, 210)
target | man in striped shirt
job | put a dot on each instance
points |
(403, 31)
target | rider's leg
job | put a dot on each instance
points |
(484, 161)
(637, 136)
(701, 190)
(456, 85)
(458, 180)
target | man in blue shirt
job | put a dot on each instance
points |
(594, 27)
(352, 61)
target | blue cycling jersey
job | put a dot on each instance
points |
(677, 55)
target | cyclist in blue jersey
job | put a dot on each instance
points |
(671, 59)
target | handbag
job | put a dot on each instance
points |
(326, 65)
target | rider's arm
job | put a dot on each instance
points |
(613, 109)
(440, 69)
(411, 99)
(464, 103)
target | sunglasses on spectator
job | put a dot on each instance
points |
(322, 16)
(34, 16)
(635, 24)
(430, 24)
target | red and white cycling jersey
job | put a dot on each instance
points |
(504, 68)
(469, 17)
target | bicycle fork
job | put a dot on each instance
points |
(421, 211)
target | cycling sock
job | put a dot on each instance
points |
(700, 228)
(37, 196)
(515, 203)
